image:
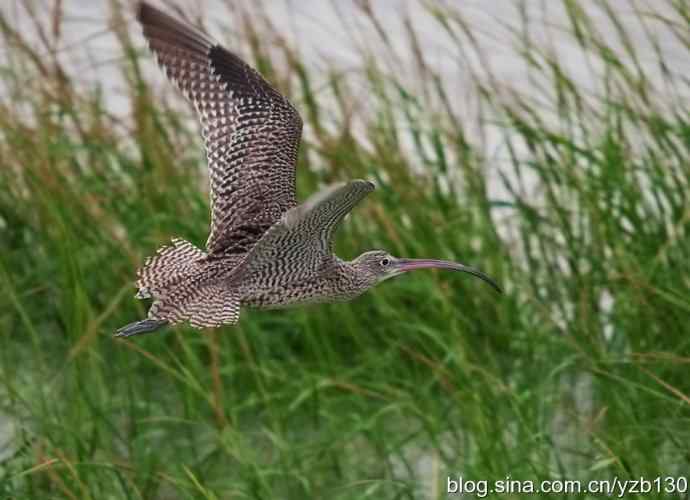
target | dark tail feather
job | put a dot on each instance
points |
(144, 326)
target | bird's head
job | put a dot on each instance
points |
(378, 265)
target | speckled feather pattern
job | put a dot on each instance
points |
(188, 286)
(293, 262)
(263, 250)
(251, 131)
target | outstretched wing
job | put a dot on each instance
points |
(300, 242)
(251, 131)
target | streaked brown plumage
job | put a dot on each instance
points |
(263, 249)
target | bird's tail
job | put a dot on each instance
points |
(172, 264)
(184, 287)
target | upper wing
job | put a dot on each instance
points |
(251, 131)
(298, 244)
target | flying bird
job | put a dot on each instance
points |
(264, 249)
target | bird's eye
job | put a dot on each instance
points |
(385, 262)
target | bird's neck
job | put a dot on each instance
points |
(357, 276)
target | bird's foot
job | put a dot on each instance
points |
(139, 327)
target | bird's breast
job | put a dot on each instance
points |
(275, 294)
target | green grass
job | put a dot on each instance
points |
(579, 371)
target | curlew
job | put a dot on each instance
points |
(264, 249)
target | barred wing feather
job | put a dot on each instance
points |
(301, 241)
(251, 131)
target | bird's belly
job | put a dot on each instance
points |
(295, 293)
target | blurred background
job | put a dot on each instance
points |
(546, 143)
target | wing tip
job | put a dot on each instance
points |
(159, 25)
(369, 186)
(144, 10)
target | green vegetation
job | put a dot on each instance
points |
(579, 371)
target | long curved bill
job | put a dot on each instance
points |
(405, 265)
